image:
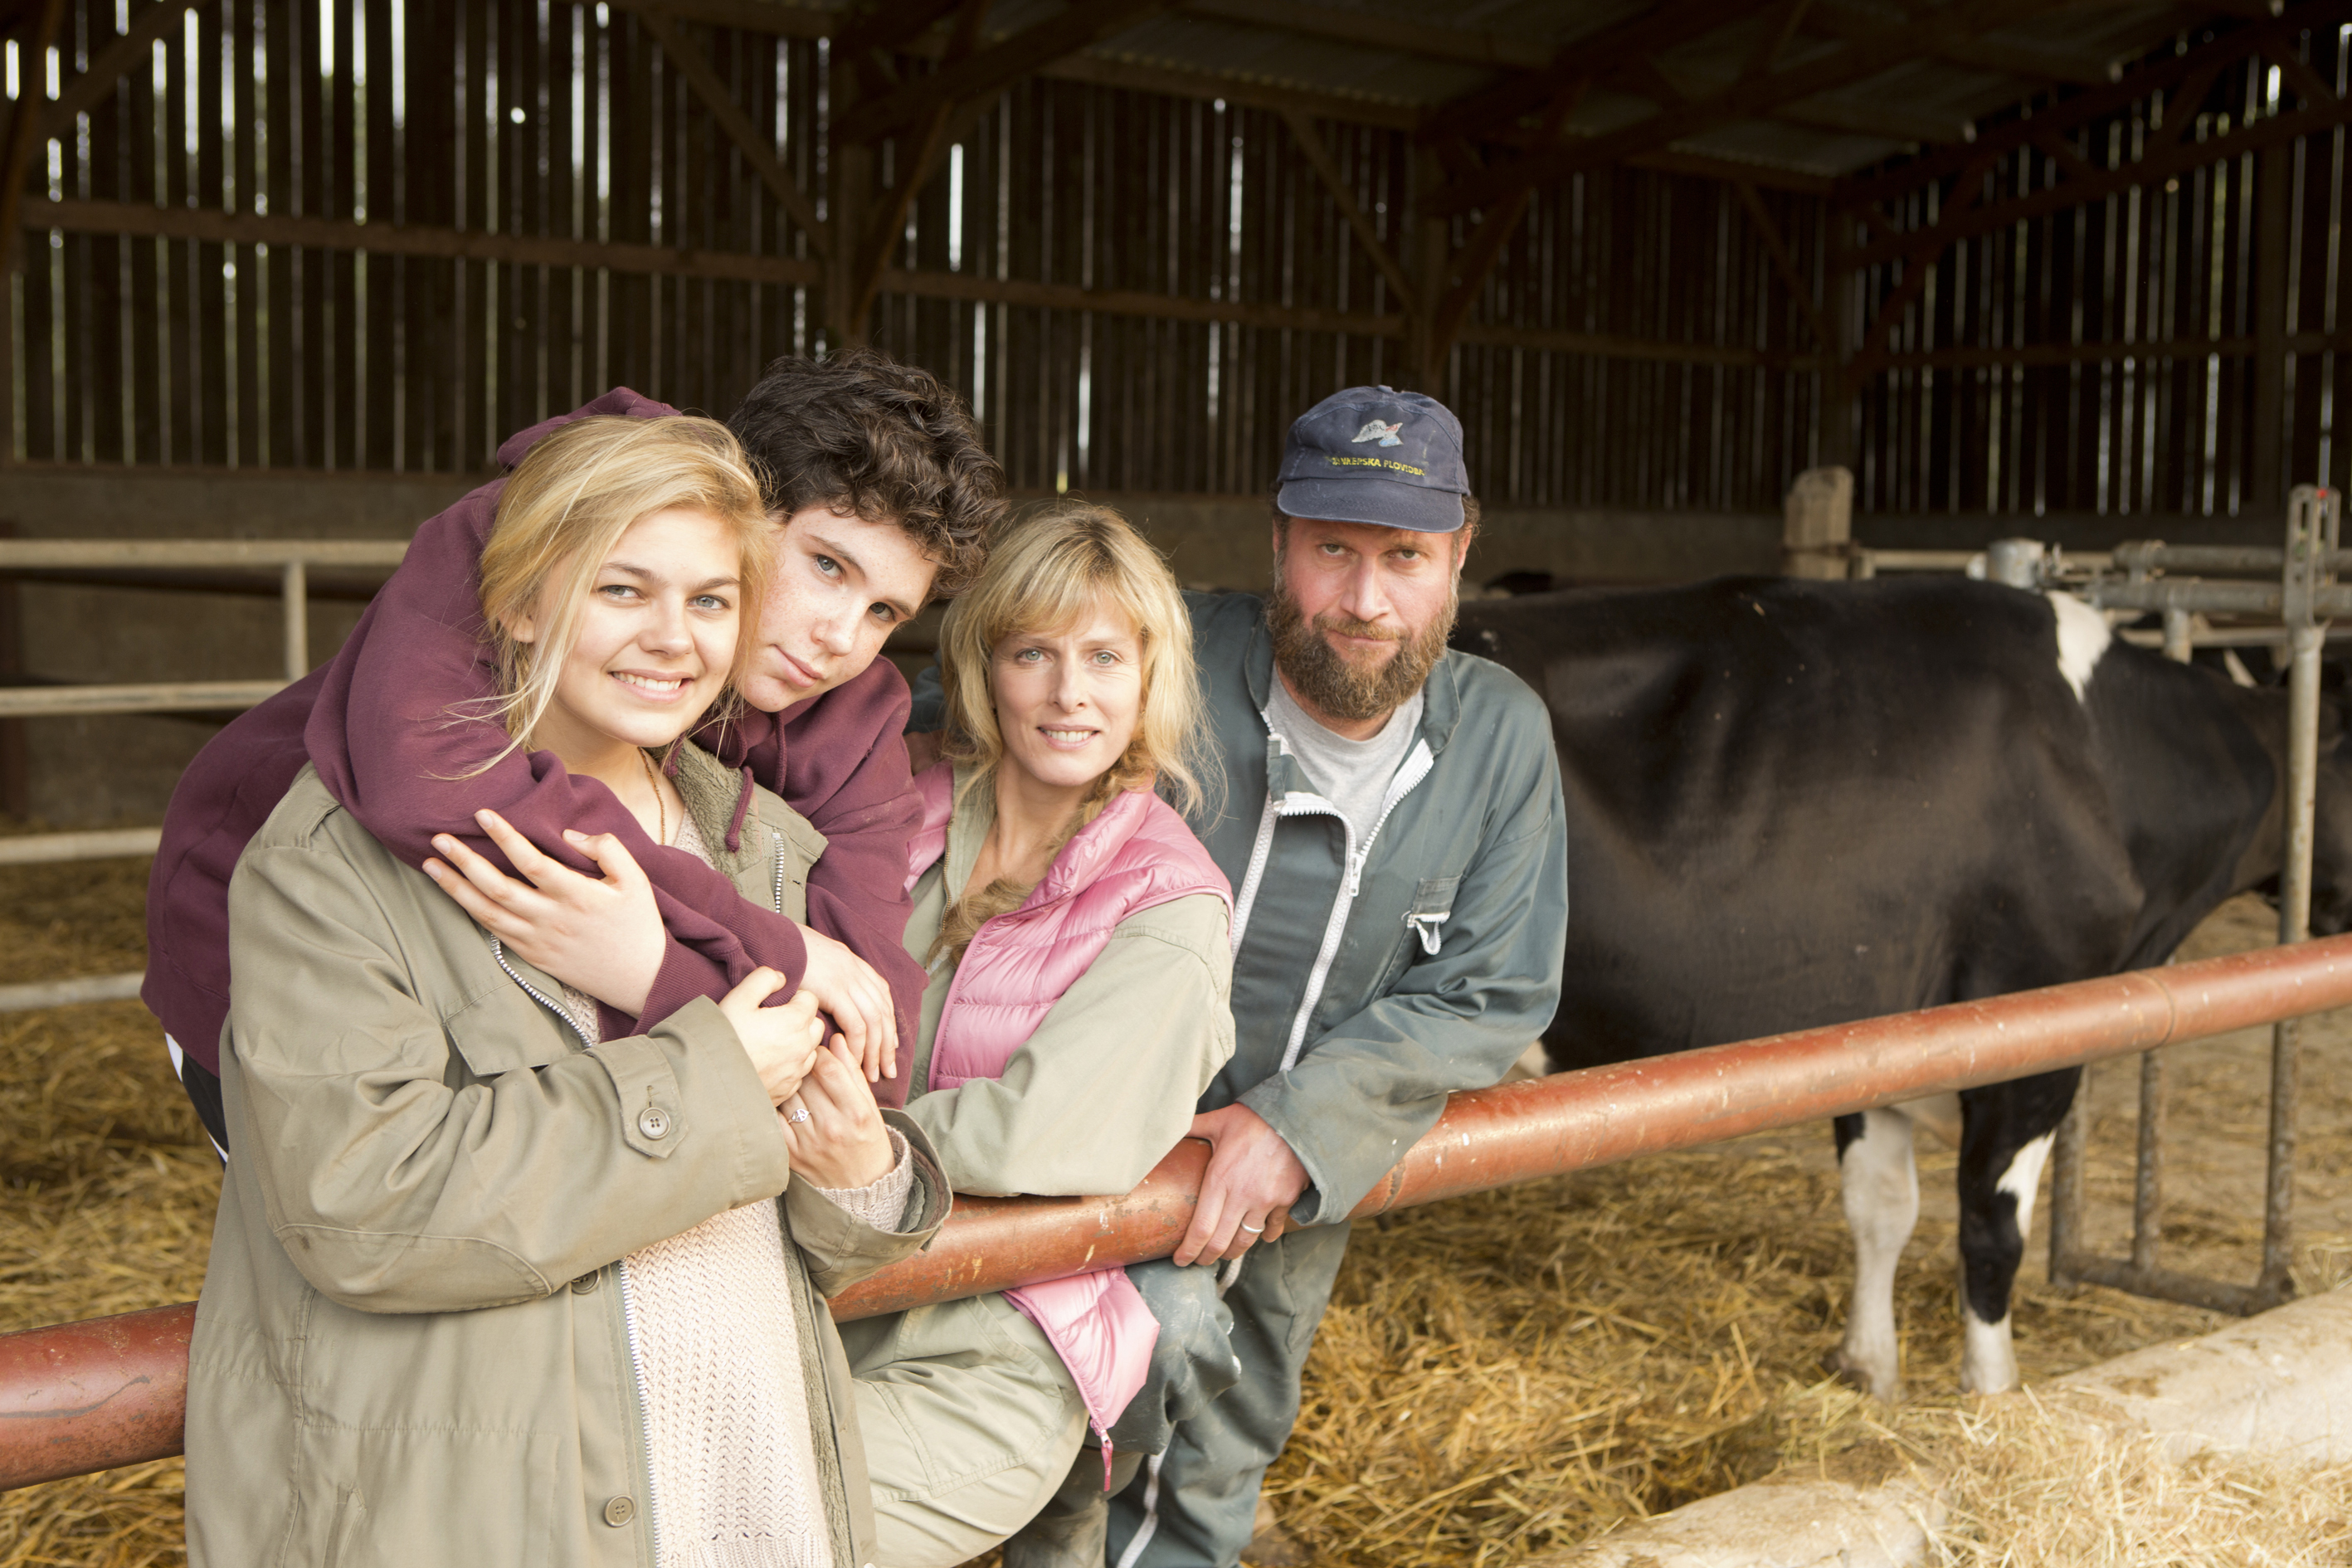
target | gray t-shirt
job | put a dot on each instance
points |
(1351, 774)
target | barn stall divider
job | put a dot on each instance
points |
(198, 565)
(87, 1397)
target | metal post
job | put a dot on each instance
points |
(296, 591)
(2176, 625)
(2066, 1187)
(2313, 518)
(2148, 1189)
(2016, 562)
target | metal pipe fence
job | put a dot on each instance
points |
(78, 1398)
(289, 561)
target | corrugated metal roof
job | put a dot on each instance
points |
(1935, 96)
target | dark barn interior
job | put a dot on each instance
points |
(292, 271)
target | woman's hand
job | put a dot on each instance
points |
(601, 935)
(780, 1041)
(857, 999)
(833, 1127)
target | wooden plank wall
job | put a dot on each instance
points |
(1633, 348)
(2120, 336)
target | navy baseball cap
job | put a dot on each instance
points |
(1375, 454)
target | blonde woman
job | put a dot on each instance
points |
(490, 1282)
(1076, 933)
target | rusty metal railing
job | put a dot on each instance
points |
(87, 1397)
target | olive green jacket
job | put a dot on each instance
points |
(413, 1346)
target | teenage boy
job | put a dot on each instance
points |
(883, 495)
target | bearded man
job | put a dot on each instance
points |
(1392, 826)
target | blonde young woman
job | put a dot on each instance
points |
(1076, 938)
(491, 1283)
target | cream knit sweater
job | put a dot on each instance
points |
(711, 1322)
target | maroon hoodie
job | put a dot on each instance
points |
(375, 722)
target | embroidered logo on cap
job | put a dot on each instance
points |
(1375, 430)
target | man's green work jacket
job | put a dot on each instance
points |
(1373, 978)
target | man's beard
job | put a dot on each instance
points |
(1327, 682)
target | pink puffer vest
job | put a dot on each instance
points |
(1136, 854)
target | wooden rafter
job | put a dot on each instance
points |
(1758, 96)
(2062, 152)
(1086, 23)
(1780, 25)
(757, 150)
(2038, 62)
(1881, 121)
(94, 86)
(1919, 260)
(1319, 157)
(1784, 262)
(2175, 160)
(2094, 103)
(1500, 51)
(2307, 83)
(1457, 290)
(922, 149)
(1478, 115)
(24, 132)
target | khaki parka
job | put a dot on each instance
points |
(413, 1346)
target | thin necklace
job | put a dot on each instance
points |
(661, 807)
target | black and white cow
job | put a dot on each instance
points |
(1793, 804)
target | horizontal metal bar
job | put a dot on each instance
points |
(1958, 559)
(85, 1396)
(70, 993)
(272, 554)
(2154, 555)
(42, 848)
(159, 697)
(2212, 1295)
(2193, 594)
(2229, 636)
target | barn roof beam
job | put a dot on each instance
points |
(1318, 156)
(1784, 263)
(86, 92)
(2096, 103)
(993, 69)
(1853, 19)
(1585, 60)
(1753, 98)
(756, 149)
(922, 148)
(1888, 122)
(1500, 51)
(2177, 158)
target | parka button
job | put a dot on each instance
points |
(586, 1282)
(654, 1121)
(620, 1511)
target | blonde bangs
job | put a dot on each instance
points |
(562, 513)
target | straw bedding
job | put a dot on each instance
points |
(1500, 1377)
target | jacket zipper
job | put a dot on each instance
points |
(620, 1273)
(778, 840)
(1299, 802)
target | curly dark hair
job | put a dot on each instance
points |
(863, 434)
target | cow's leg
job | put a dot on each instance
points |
(2004, 1143)
(1881, 1188)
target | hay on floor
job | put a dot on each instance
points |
(1500, 1376)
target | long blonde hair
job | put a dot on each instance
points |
(1053, 570)
(565, 509)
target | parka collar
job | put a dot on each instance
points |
(1441, 707)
